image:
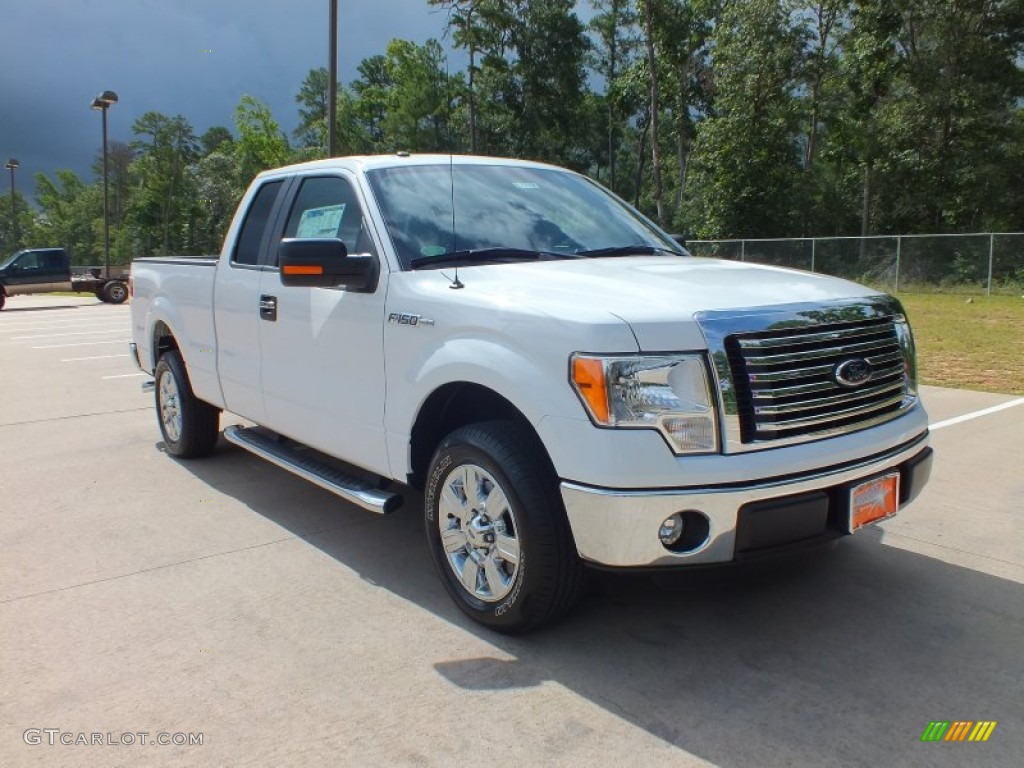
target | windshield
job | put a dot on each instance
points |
(7, 261)
(502, 206)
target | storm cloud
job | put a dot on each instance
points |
(189, 57)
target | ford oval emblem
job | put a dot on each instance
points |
(853, 373)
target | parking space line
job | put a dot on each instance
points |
(124, 375)
(55, 326)
(82, 344)
(977, 414)
(74, 333)
(94, 357)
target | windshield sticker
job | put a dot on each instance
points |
(525, 185)
(433, 250)
(321, 222)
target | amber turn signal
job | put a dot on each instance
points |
(588, 376)
(302, 269)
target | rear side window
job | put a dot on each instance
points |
(250, 238)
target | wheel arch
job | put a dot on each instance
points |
(162, 339)
(453, 405)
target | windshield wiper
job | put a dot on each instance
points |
(484, 255)
(626, 250)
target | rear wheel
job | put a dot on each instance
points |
(115, 292)
(190, 426)
(497, 530)
(3, 299)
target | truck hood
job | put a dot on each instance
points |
(656, 295)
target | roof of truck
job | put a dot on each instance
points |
(400, 159)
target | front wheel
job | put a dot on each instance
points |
(497, 529)
(190, 427)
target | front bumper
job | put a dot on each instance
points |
(619, 528)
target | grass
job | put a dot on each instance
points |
(974, 342)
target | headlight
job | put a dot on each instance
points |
(906, 340)
(669, 393)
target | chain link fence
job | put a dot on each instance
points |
(989, 262)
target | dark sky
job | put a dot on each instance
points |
(57, 55)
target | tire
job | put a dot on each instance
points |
(516, 568)
(3, 299)
(115, 292)
(189, 426)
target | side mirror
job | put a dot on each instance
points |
(325, 263)
(681, 239)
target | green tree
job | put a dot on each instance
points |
(949, 134)
(165, 148)
(18, 229)
(746, 173)
(261, 143)
(71, 216)
(216, 138)
(312, 100)
(467, 33)
(614, 30)
(417, 104)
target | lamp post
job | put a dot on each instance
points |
(102, 103)
(332, 78)
(13, 164)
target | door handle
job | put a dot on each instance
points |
(268, 308)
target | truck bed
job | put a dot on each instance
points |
(190, 281)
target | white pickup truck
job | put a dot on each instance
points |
(566, 384)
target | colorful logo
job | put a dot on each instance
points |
(958, 730)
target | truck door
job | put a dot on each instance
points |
(323, 351)
(237, 303)
(39, 271)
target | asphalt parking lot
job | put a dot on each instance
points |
(224, 597)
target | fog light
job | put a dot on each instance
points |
(686, 532)
(671, 530)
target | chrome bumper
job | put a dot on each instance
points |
(619, 528)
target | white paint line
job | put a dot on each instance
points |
(62, 326)
(125, 376)
(82, 344)
(977, 414)
(57, 335)
(94, 357)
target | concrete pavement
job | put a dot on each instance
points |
(227, 598)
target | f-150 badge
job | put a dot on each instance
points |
(403, 318)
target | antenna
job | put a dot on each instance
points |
(456, 283)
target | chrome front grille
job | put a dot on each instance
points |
(787, 376)
(786, 382)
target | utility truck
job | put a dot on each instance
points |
(45, 270)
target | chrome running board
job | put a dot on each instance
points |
(349, 487)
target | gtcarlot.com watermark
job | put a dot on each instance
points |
(56, 736)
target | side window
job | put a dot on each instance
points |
(328, 207)
(247, 249)
(28, 261)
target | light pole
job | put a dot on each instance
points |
(102, 103)
(13, 164)
(332, 78)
